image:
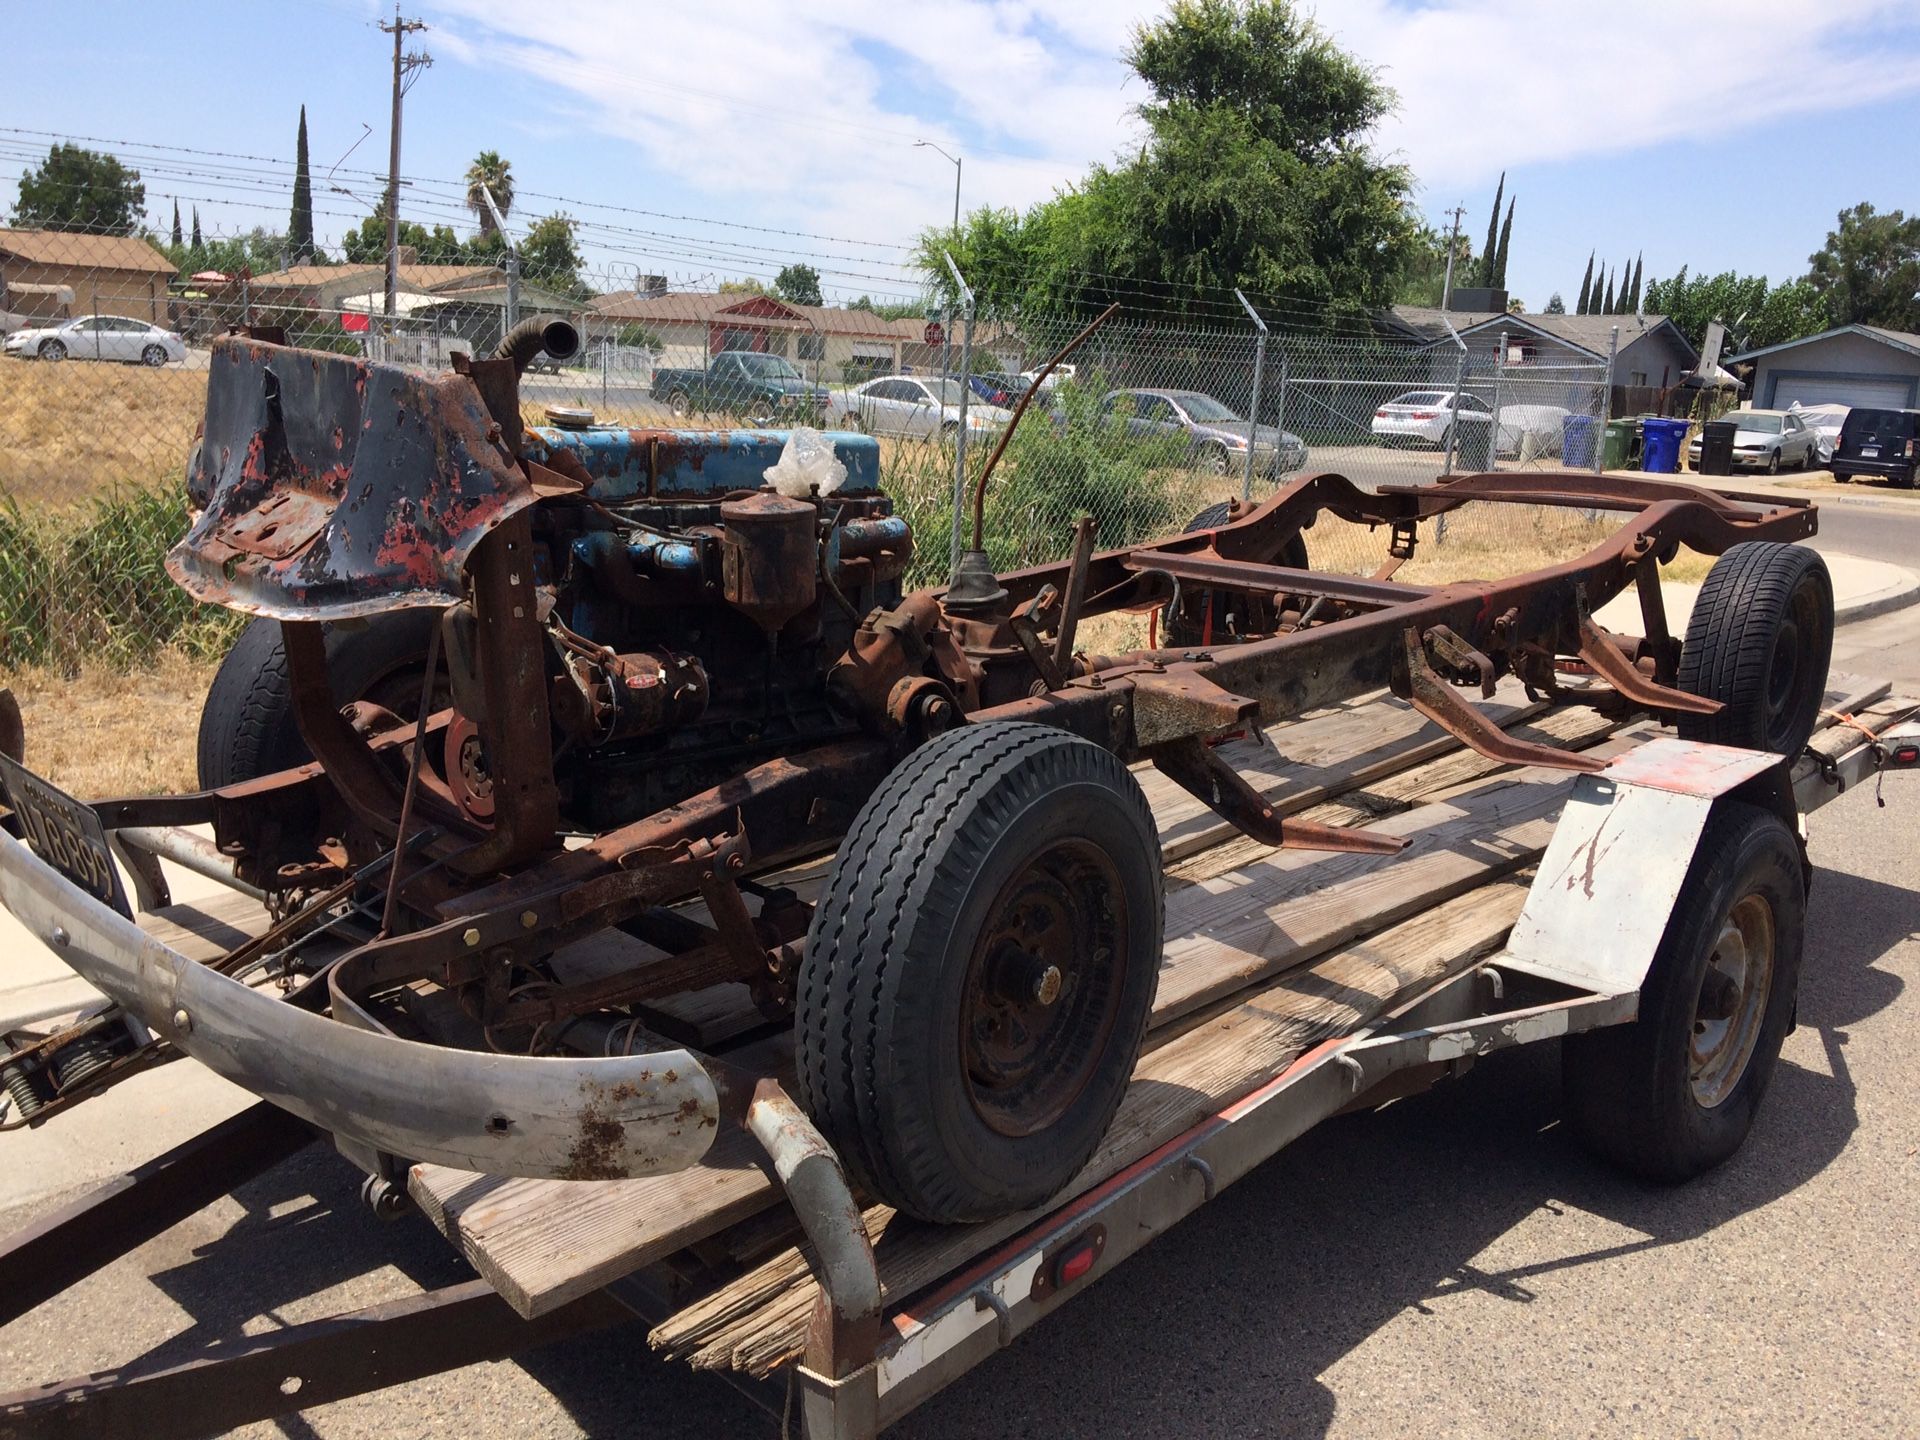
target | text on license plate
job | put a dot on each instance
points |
(64, 833)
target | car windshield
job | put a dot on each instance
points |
(1205, 409)
(1759, 424)
(768, 367)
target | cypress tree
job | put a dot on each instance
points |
(300, 222)
(1607, 308)
(1633, 285)
(1493, 234)
(197, 241)
(176, 222)
(1586, 286)
(1500, 261)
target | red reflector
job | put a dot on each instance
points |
(1077, 1262)
(1906, 754)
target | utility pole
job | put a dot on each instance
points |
(403, 65)
(1453, 244)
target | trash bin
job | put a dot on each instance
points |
(1663, 439)
(1472, 448)
(1577, 434)
(1616, 450)
(1716, 447)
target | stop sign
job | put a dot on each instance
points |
(933, 334)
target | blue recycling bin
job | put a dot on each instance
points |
(1662, 441)
(1577, 433)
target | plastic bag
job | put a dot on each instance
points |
(807, 462)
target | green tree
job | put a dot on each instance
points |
(1556, 306)
(1869, 270)
(489, 171)
(300, 221)
(1490, 255)
(80, 189)
(1255, 173)
(178, 242)
(1755, 314)
(1423, 274)
(798, 285)
(1607, 307)
(550, 254)
(744, 286)
(366, 243)
(197, 241)
(1586, 286)
(1500, 255)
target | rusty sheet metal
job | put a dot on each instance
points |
(339, 487)
(544, 1118)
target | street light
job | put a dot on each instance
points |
(929, 145)
(946, 349)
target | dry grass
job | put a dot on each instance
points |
(115, 732)
(72, 431)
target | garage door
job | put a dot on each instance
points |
(1873, 394)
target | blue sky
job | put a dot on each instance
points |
(1622, 126)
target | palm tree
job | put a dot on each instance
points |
(491, 171)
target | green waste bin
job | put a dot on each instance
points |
(1616, 449)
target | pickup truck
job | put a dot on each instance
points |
(763, 389)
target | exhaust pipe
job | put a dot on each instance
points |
(543, 332)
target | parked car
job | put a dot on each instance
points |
(1825, 422)
(765, 389)
(1769, 440)
(1217, 437)
(100, 337)
(1002, 390)
(1059, 373)
(917, 406)
(1428, 415)
(1879, 445)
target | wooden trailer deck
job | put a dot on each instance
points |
(1268, 954)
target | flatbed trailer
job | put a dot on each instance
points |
(1296, 986)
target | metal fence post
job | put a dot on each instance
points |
(1253, 410)
(960, 436)
(1459, 387)
(1499, 371)
(606, 364)
(1606, 402)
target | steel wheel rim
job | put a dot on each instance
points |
(1731, 1006)
(1043, 988)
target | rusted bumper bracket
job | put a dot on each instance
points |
(559, 1118)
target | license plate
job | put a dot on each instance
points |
(1869, 452)
(64, 833)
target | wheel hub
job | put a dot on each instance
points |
(1732, 1003)
(1043, 988)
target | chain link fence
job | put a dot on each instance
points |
(1147, 426)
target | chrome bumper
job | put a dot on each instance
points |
(556, 1118)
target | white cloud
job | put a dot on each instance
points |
(805, 115)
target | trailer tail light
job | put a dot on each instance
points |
(1908, 754)
(1069, 1261)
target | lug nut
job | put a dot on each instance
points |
(1046, 985)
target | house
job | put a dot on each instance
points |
(327, 288)
(1852, 365)
(685, 328)
(445, 307)
(48, 274)
(1650, 349)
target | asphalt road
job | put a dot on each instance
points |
(1453, 1265)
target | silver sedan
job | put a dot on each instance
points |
(100, 337)
(920, 406)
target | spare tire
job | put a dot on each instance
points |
(1759, 640)
(1184, 617)
(247, 727)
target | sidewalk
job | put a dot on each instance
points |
(1861, 589)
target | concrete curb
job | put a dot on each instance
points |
(1894, 597)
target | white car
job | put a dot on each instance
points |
(1427, 415)
(100, 337)
(1825, 422)
(918, 406)
(1769, 440)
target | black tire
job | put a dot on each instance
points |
(1216, 460)
(989, 828)
(1759, 640)
(1674, 1094)
(53, 350)
(247, 727)
(154, 356)
(679, 404)
(1773, 463)
(1184, 621)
